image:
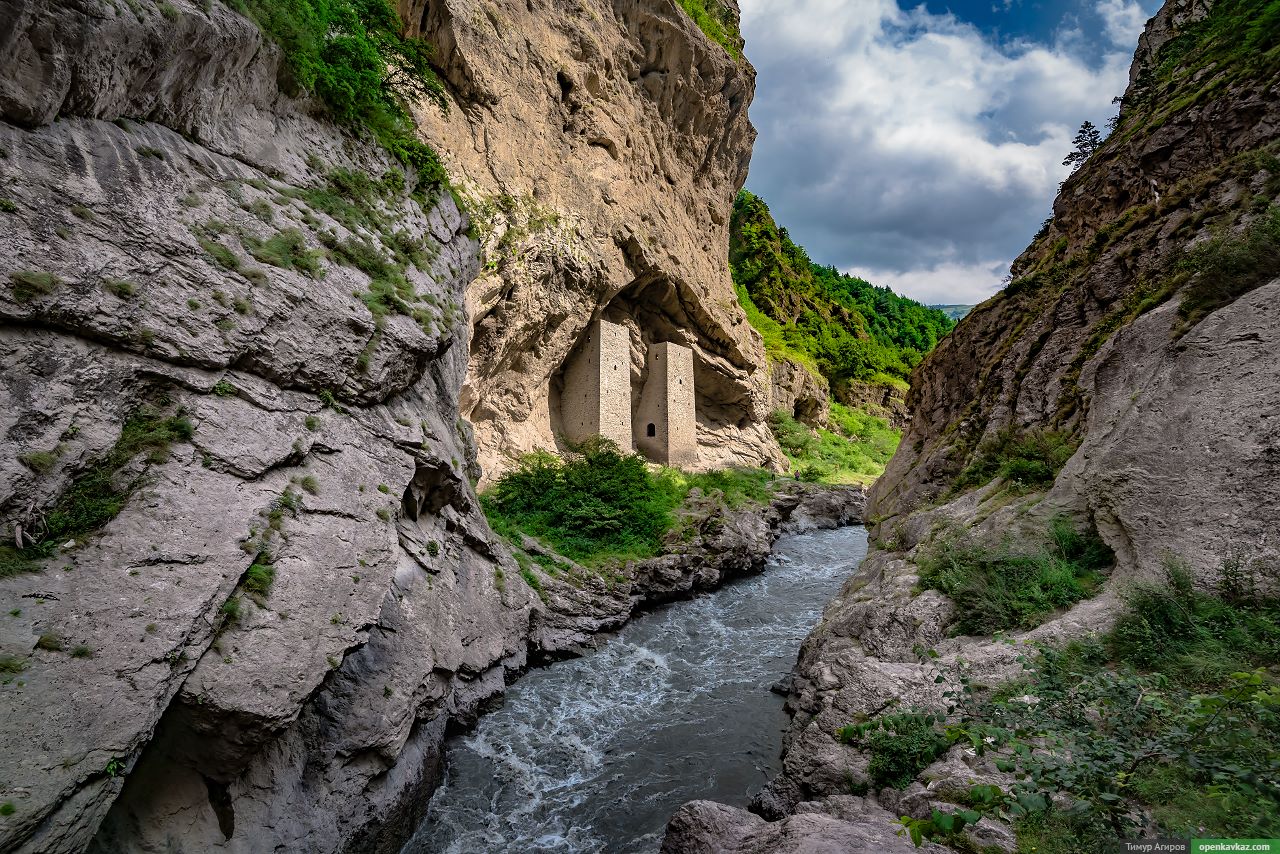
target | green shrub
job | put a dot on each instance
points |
(599, 503)
(149, 151)
(82, 651)
(352, 55)
(10, 665)
(312, 422)
(7, 808)
(901, 746)
(83, 213)
(224, 388)
(49, 641)
(231, 609)
(28, 285)
(1024, 459)
(1229, 266)
(258, 579)
(999, 588)
(8, 206)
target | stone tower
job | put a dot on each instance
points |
(666, 423)
(596, 398)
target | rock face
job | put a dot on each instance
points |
(599, 148)
(1171, 409)
(271, 589)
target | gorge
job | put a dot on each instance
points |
(329, 329)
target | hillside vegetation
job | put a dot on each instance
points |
(837, 325)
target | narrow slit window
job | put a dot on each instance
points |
(651, 431)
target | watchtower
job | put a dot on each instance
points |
(666, 421)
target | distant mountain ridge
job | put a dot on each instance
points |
(955, 312)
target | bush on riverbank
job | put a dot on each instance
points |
(1167, 725)
(599, 504)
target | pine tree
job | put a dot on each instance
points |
(1086, 143)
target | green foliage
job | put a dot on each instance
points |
(842, 326)
(598, 503)
(40, 462)
(220, 253)
(28, 285)
(258, 579)
(7, 808)
(82, 651)
(10, 665)
(717, 21)
(8, 206)
(901, 746)
(1002, 587)
(352, 55)
(121, 288)
(1231, 265)
(1188, 635)
(1024, 459)
(310, 484)
(1096, 744)
(856, 451)
(98, 493)
(49, 641)
(231, 610)
(286, 250)
(224, 388)
(734, 487)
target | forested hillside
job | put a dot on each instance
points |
(842, 326)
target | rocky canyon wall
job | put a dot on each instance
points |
(249, 585)
(598, 146)
(1121, 335)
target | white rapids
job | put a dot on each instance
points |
(594, 754)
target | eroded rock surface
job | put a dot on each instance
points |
(601, 147)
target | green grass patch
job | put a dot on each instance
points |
(286, 250)
(258, 579)
(996, 588)
(98, 493)
(1028, 459)
(28, 285)
(1229, 266)
(717, 21)
(855, 451)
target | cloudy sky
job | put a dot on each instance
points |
(920, 146)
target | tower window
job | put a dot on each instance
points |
(651, 431)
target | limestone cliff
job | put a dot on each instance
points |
(598, 147)
(249, 584)
(1141, 330)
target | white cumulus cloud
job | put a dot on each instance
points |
(912, 146)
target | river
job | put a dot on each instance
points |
(595, 753)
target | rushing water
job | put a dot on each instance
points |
(594, 754)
